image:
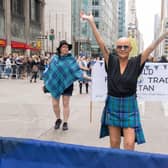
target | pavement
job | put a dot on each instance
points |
(26, 112)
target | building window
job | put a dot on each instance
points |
(35, 10)
(1, 4)
(95, 13)
(97, 25)
(95, 2)
(17, 7)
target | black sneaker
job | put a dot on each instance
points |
(65, 126)
(58, 123)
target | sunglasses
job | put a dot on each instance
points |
(125, 47)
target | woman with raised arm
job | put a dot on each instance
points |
(120, 116)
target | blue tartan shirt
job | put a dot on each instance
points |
(61, 73)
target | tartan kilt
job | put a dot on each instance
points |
(122, 112)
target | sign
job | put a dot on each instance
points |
(99, 82)
(51, 37)
(152, 83)
(15, 44)
(2, 43)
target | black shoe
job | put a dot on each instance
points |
(58, 123)
(65, 126)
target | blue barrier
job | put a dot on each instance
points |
(28, 153)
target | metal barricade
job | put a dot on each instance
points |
(7, 72)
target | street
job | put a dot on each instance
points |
(26, 112)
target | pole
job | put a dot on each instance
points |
(91, 103)
(52, 45)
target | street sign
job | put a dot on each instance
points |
(51, 37)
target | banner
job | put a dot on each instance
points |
(152, 83)
(99, 82)
(29, 153)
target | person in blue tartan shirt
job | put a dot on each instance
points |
(58, 78)
(120, 116)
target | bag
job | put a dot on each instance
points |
(45, 90)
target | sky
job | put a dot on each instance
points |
(146, 9)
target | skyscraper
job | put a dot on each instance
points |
(132, 24)
(164, 27)
(121, 18)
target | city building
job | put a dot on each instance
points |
(121, 19)
(21, 26)
(105, 13)
(57, 23)
(164, 27)
(62, 18)
(106, 18)
(157, 27)
(132, 29)
(81, 33)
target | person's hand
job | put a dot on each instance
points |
(88, 17)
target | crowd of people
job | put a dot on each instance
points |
(17, 66)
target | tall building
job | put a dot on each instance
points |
(21, 24)
(106, 18)
(157, 26)
(57, 23)
(80, 29)
(164, 27)
(132, 23)
(121, 19)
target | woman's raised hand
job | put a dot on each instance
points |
(88, 17)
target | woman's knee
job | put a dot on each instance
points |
(115, 136)
(115, 143)
(55, 103)
(129, 145)
(129, 138)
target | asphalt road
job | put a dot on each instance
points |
(26, 112)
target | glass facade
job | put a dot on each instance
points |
(121, 19)
(80, 29)
(105, 15)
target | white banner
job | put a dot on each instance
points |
(152, 83)
(99, 82)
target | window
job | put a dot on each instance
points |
(1, 3)
(97, 25)
(35, 10)
(17, 7)
(95, 2)
(95, 13)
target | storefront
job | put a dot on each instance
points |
(20, 48)
(2, 46)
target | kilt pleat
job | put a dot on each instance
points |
(122, 112)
